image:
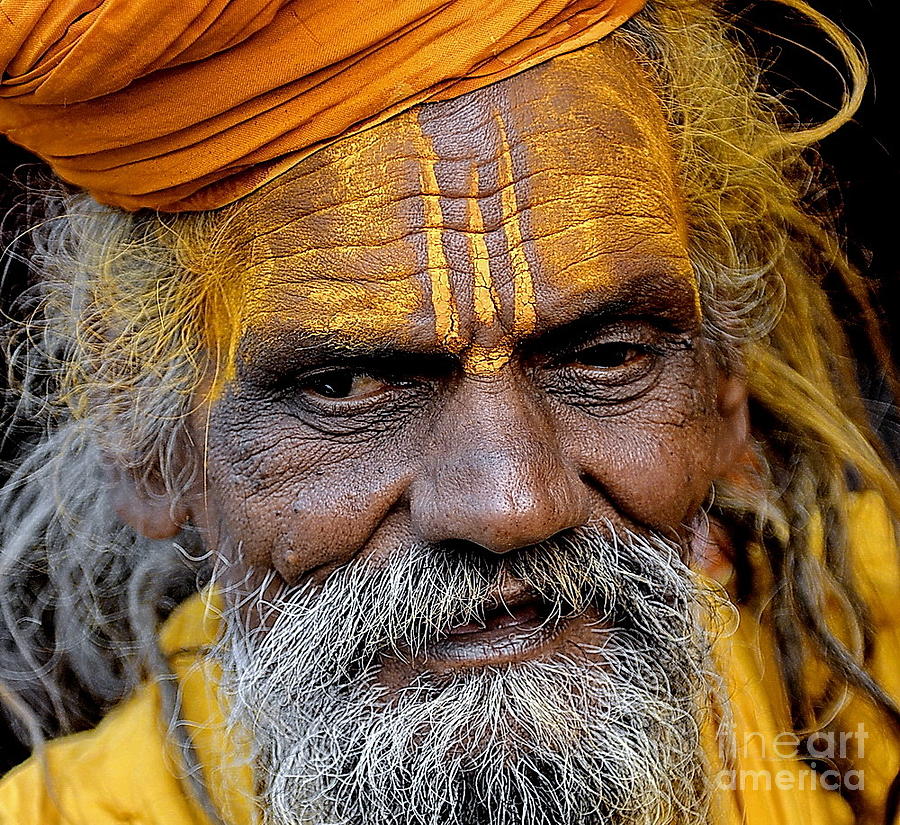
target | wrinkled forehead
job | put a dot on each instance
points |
(523, 199)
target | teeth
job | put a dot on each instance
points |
(511, 613)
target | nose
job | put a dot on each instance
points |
(495, 475)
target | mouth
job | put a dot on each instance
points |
(517, 626)
(507, 634)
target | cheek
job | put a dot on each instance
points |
(291, 502)
(653, 463)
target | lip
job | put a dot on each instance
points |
(515, 619)
(511, 633)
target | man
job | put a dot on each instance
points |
(495, 411)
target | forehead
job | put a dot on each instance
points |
(511, 208)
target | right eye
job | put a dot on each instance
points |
(613, 355)
(341, 384)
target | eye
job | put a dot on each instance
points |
(341, 384)
(611, 355)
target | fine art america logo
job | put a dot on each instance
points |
(790, 762)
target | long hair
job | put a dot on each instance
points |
(762, 258)
(112, 355)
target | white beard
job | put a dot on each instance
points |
(607, 738)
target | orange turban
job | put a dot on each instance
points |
(190, 104)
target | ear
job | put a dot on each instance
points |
(734, 425)
(150, 514)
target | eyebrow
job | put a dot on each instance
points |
(289, 351)
(661, 300)
(580, 331)
(654, 295)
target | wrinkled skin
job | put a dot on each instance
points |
(476, 322)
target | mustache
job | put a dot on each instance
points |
(636, 583)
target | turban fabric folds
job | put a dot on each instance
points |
(190, 104)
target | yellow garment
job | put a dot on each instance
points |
(191, 105)
(122, 772)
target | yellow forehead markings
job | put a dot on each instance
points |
(523, 281)
(483, 361)
(446, 317)
(483, 292)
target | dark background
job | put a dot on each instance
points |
(864, 158)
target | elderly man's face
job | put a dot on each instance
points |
(475, 323)
(473, 333)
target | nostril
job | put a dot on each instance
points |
(470, 552)
(464, 550)
(481, 530)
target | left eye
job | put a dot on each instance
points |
(610, 356)
(341, 384)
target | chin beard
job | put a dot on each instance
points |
(605, 734)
